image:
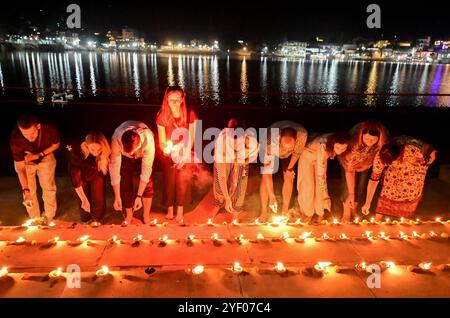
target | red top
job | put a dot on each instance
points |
(48, 135)
(170, 127)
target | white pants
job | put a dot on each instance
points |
(310, 195)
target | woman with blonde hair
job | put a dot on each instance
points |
(176, 131)
(88, 167)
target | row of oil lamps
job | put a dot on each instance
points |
(280, 220)
(320, 268)
(162, 241)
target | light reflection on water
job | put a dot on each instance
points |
(222, 81)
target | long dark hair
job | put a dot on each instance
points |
(339, 137)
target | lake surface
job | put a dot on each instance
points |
(221, 81)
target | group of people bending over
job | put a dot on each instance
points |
(367, 155)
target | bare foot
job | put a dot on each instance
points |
(262, 218)
(169, 214)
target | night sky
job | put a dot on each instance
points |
(228, 21)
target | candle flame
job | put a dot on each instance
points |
(425, 266)
(155, 221)
(285, 235)
(20, 240)
(169, 146)
(280, 267)
(210, 222)
(298, 221)
(56, 273)
(368, 234)
(325, 236)
(215, 237)
(197, 270)
(102, 271)
(138, 238)
(305, 235)
(343, 236)
(322, 266)
(372, 220)
(237, 268)
(190, 237)
(83, 238)
(165, 238)
(260, 236)
(356, 221)
(274, 207)
(335, 221)
(432, 234)
(3, 271)
(388, 264)
(51, 224)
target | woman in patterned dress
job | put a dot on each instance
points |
(234, 151)
(367, 139)
(402, 165)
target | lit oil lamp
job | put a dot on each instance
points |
(154, 222)
(344, 236)
(51, 224)
(274, 207)
(335, 222)
(95, 224)
(54, 241)
(215, 237)
(368, 235)
(356, 221)
(433, 235)
(3, 272)
(402, 220)
(279, 221)
(113, 240)
(260, 237)
(103, 271)
(197, 270)
(298, 222)
(83, 239)
(20, 241)
(169, 146)
(256, 222)
(237, 268)
(240, 238)
(364, 222)
(190, 237)
(285, 236)
(235, 222)
(138, 238)
(163, 240)
(361, 267)
(425, 266)
(306, 235)
(29, 223)
(403, 236)
(415, 235)
(280, 268)
(386, 265)
(418, 221)
(383, 236)
(444, 235)
(56, 273)
(321, 267)
(210, 222)
(372, 221)
(325, 236)
(438, 220)
(387, 221)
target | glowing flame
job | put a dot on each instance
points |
(274, 207)
(322, 266)
(402, 220)
(20, 240)
(425, 266)
(285, 235)
(155, 222)
(298, 221)
(114, 239)
(343, 236)
(102, 271)
(325, 236)
(240, 237)
(387, 264)
(28, 223)
(190, 237)
(368, 234)
(235, 222)
(169, 146)
(356, 221)
(54, 240)
(388, 220)
(215, 237)
(280, 220)
(403, 236)
(432, 234)
(260, 236)
(305, 235)
(256, 221)
(335, 221)
(51, 224)
(138, 238)
(83, 239)
(280, 267)
(415, 234)
(56, 273)
(3, 271)
(372, 220)
(361, 266)
(197, 270)
(439, 219)
(165, 238)
(237, 268)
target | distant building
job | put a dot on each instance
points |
(292, 49)
(423, 44)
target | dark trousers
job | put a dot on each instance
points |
(176, 183)
(127, 191)
(95, 192)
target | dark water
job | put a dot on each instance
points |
(223, 81)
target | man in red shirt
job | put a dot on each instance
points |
(32, 146)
